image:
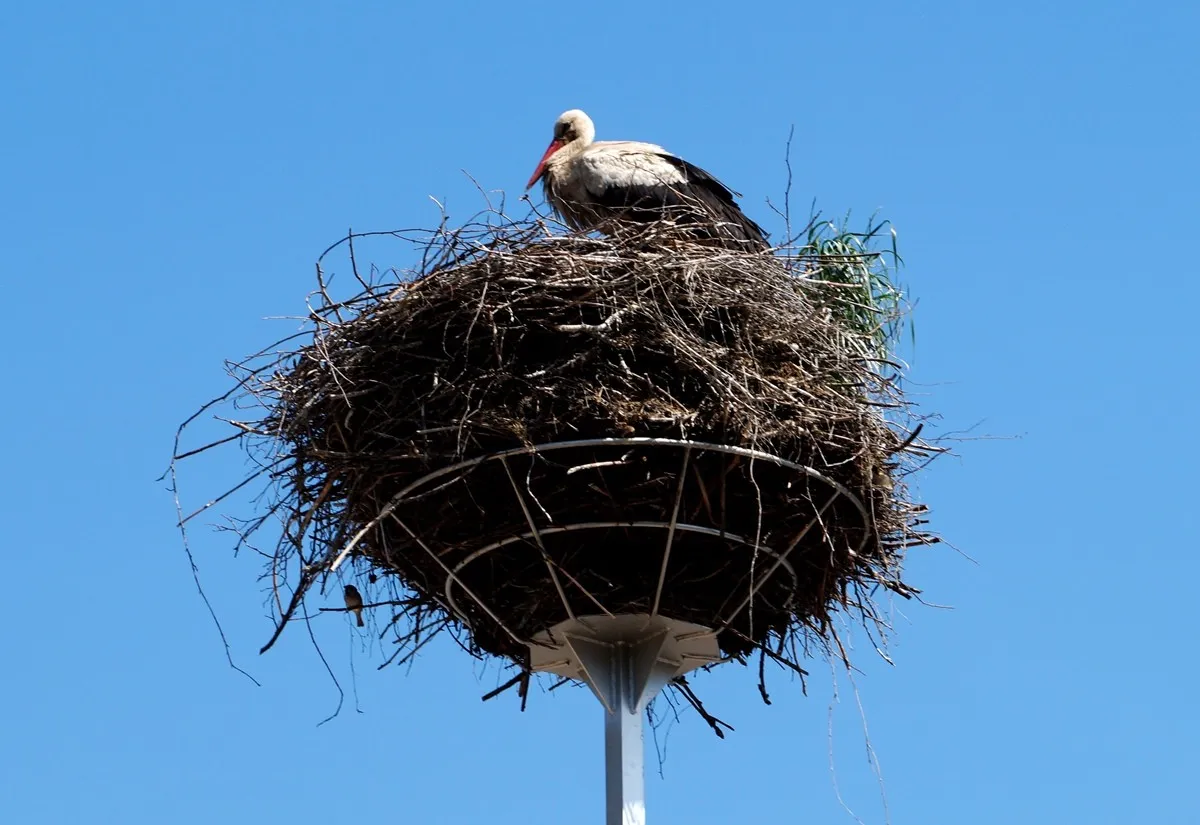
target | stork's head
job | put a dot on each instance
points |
(573, 130)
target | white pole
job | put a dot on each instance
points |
(626, 660)
(624, 747)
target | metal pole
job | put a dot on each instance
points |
(624, 748)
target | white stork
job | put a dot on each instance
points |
(590, 183)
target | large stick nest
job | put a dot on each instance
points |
(774, 368)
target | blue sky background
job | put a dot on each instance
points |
(171, 171)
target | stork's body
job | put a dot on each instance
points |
(592, 184)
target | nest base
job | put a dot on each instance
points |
(658, 649)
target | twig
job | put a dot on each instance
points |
(680, 684)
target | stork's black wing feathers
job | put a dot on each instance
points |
(698, 177)
(718, 198)
(700, 192)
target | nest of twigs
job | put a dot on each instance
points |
(738, 438)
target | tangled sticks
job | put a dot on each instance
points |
(541, 426)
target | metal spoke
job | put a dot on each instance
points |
(537, 537)
(662, 573)
(451, 577)
(762, 580)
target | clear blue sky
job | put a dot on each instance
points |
(169, 174)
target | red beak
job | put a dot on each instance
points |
(554, 146)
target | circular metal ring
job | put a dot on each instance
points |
(535, 533)
(701, 446)
(452, 579)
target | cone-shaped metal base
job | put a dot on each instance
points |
(626, 661)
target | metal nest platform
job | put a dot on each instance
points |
(622, 563)
(515, 542)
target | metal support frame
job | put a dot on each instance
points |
(626, 659)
